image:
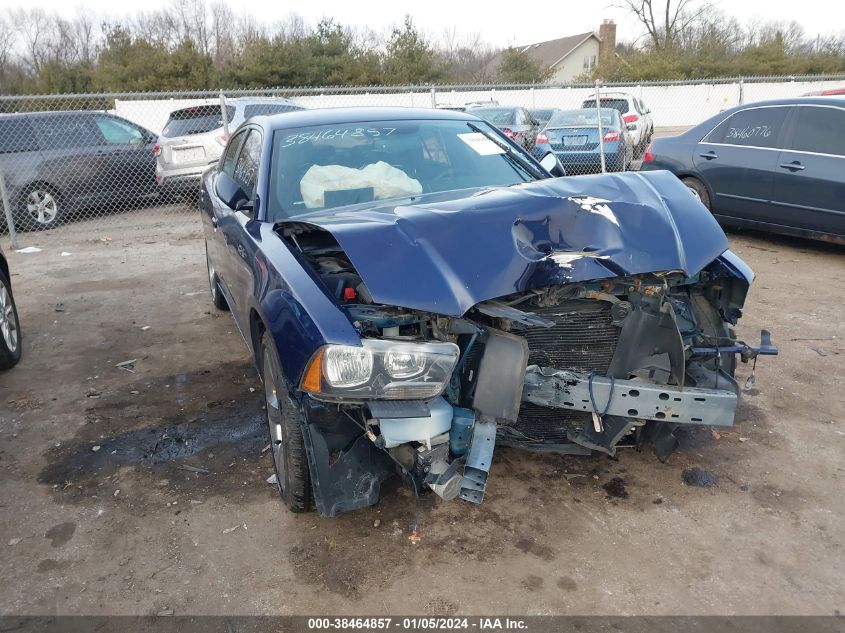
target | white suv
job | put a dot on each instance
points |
(634, 112)
(194, 138)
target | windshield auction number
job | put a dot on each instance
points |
(352, 132)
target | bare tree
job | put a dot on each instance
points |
(665, 20)
(7, 42)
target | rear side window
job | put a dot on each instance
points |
(227, 163)
(196, 120)
(65, 132)
(16, 135)
(756, 127)
(246, 169)
(268, 108)
(820, 130)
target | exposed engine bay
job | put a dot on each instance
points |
(573, 368)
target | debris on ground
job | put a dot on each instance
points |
(29, 249)
(165, 612)
(193, 469)
(232, 529)
(92, 393)
(376, 523)
(744, 439)
(415, 537)
(699, 477)
(25, 403)
(272, 479)
(265, 449)
(96, 447)
(616, 488)
(116, 493)
(14, 541)
(145, 328)
(59, 307)
(128, 365)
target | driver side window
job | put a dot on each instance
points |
(246, 167)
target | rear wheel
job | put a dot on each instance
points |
(699, 190)
(214, 284)
(285, 424)
(10, 330)
(40, 208)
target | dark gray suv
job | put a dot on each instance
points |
(58, 164)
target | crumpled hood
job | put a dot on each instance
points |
(445, 254)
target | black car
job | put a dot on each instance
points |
(57, 164)
(516, 123)
(775, 165)
(10, 328)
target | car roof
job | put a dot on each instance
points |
(333, 116)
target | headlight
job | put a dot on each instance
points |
(392, 370)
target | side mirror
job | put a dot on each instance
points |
(230, 192)
(552, 164)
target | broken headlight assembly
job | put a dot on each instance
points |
(380, 369)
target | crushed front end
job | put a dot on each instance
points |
(574, 368)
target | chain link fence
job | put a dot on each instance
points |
(107, 162)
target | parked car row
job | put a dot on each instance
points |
(61, 165)
(575, 133)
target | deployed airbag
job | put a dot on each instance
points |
(385, 180)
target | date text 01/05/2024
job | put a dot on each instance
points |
(418, 623)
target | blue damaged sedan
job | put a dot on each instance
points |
(417, 289)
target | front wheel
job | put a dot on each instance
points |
(285, 425)
(698, 189)
(10, 328)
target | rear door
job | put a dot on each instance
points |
(73, 163)
(240, 248)
(809, 187)
(738, 161)
(218, 215)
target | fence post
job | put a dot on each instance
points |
(7, 207)
(601, 132)
(224, 113)
(741, 91)
(433, 98)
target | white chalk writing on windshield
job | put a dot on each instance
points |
(359, 132)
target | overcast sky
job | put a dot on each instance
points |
(512, 24)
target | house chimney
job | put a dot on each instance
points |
(607, 35)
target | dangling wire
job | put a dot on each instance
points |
(593, 399)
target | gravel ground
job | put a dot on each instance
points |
(141, 489)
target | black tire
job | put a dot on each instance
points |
(698, 188)
(40, 208)
(10, 327)
(285, 422)
(217, 297)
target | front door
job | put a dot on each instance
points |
(809, 187)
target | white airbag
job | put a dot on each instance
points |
(387, 181)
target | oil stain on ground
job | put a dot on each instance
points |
(196, 424)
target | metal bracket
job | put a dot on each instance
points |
(631, 398)
(478, 461)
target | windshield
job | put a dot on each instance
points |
(328, 166)
(582, 118)
(195, 120)
(496, 116)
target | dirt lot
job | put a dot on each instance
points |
(99, 515)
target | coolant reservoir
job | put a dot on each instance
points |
(396, 431)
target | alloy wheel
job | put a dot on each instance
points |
(275, 420)
(8, 323)
(42, 206)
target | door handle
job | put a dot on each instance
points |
(709, 155)
(793, 166)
